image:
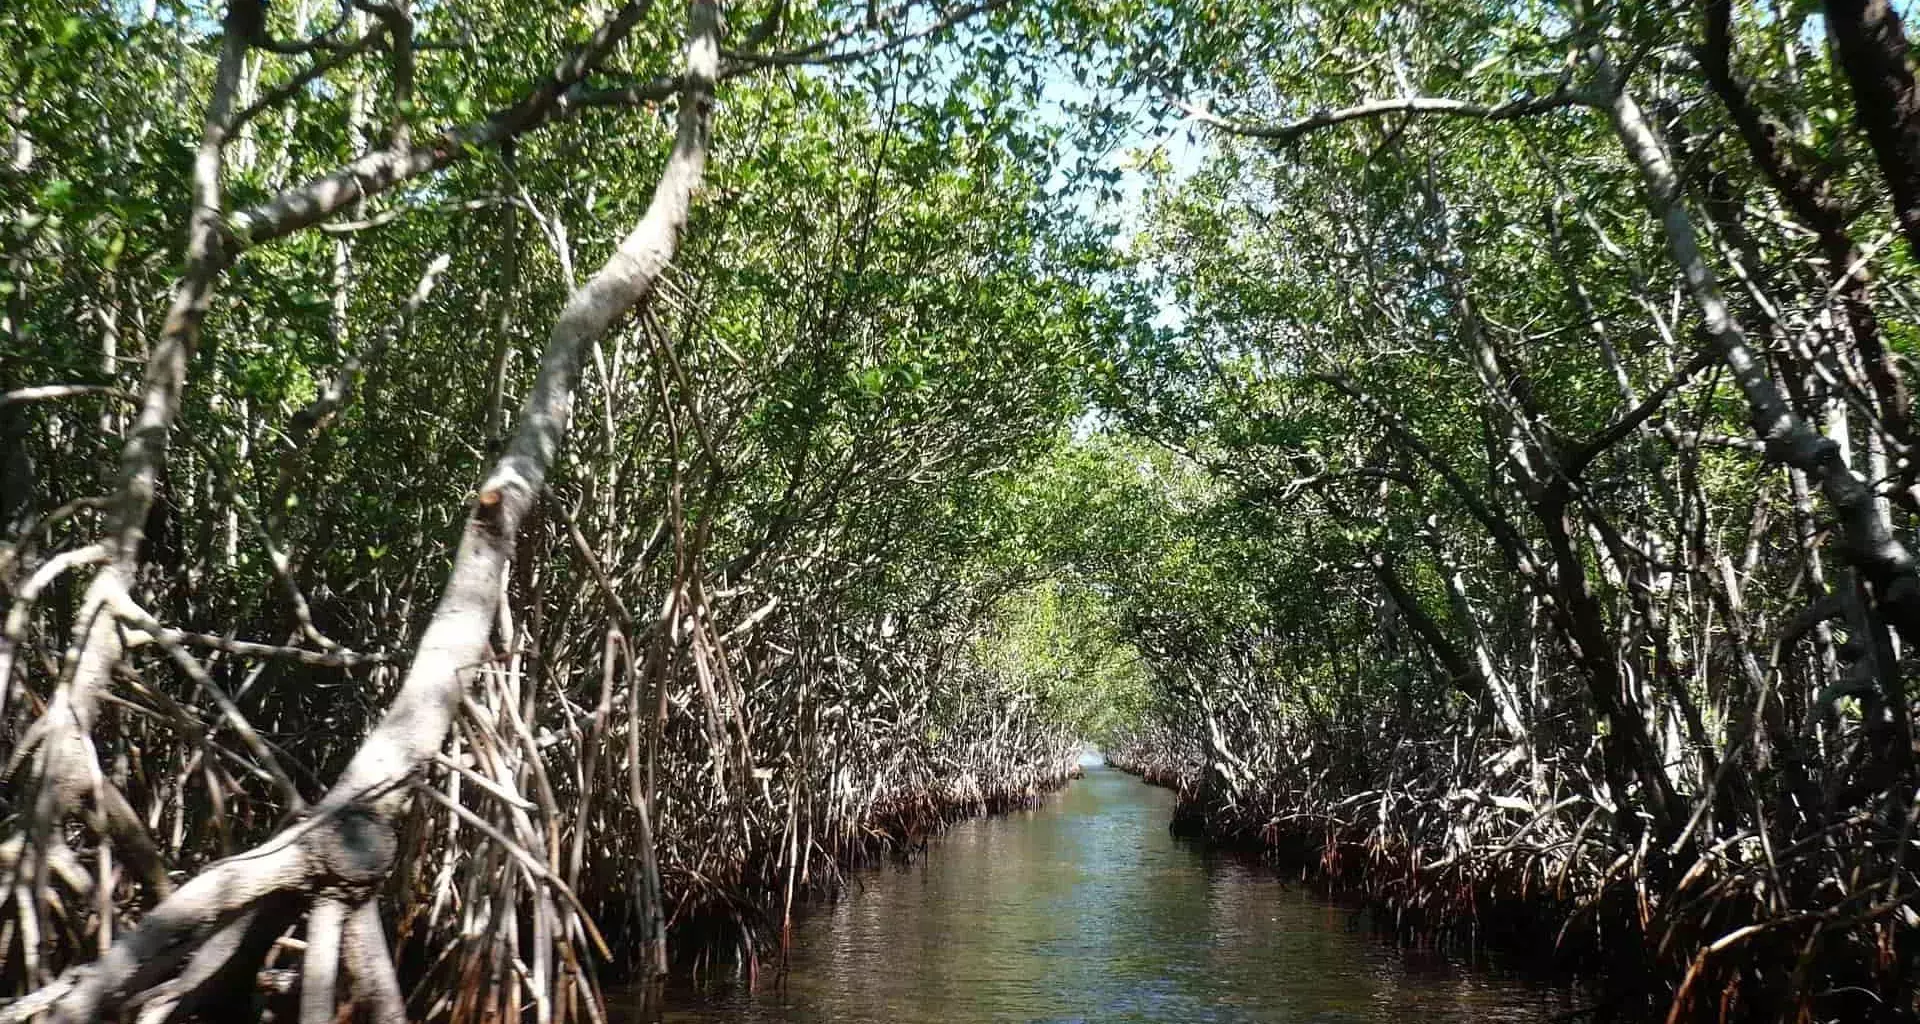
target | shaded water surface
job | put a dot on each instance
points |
(1085, 909)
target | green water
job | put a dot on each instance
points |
(1085, 909)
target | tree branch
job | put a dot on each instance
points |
(1291, 131)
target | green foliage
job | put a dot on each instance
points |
(919, 471)
(1064, 645)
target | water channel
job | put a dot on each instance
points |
(1086, 909)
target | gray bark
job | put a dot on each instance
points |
(1883, 560)
(347, 846)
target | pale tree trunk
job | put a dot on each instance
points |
(64, 776)
(1883, 561)
(66, 773)
(1808, 194)
(346, 847)
(1881, 557)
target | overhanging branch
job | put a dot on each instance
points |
(1291, 131)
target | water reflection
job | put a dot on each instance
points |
(1087, 910)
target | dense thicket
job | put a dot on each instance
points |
(737, 597)
(485, 490)
(1545, 368)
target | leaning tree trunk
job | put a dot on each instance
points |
(65, 769)
(334, 860)
(1884, 560)
(64, 776)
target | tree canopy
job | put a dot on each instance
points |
(496, 498)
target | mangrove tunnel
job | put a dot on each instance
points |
(575, 511)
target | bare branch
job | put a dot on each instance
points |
(377, 171)
(1518, 107)
(49, 392)
(817, 54)
(286, 90)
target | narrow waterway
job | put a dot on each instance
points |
(1085, 909)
